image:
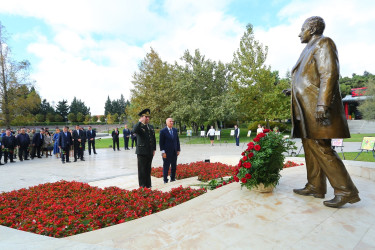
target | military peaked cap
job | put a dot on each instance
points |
(145, 112)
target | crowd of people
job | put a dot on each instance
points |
(26, 144)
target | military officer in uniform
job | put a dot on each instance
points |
(146, 147)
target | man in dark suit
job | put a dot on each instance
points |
(318, 115)
(133, 136)
(83, 142)
(146, 147)
(9, 143)
(90, 135)
(237, 135)
(23, 142)
(65, 140)
(37, 143)
(116, 139)
(126, 133)
(170, 148)
(78, 137)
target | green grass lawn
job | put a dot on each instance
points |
(364, 156)
(358, 137)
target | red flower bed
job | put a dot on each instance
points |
(204, 170)
(290, 164)
(65, 208)
(207, 171)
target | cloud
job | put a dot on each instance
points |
(96, 45)
(350, 25)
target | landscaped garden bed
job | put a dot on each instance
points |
(65, 208)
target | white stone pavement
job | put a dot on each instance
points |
(224, 218)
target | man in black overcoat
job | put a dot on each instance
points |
(9, 143)
(79, 138)
(23, 142)
(146, 147)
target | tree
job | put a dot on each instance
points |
(201, 91)
(108, 107)
(87, 119)
(115, 118)
(12, 75)
(256, 88)
(24, 105)
(40, 118)
(58, 118)
(80, 117)
(102, 118)
(77, 106)
(50, 117)
(356, 81)
(367, 107)
(110, 119)
(94, 118)
(62, 109)
(153, 87)
(72, 117)
(46, 108)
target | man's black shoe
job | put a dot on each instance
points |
(341, 200)
(307, 192)
(82, 159)
(27, 159)
(75, 160)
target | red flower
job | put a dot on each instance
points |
(248, 176)
(236, 171)
(243, 180)
(236, 178)
(243, 153)
(244, 158)
(247, 165)
(257, 147)
(256, 139)
(266, 130)
(250, 143)
(250, 147)
(261, 135)
(224, 183)
(251, 154)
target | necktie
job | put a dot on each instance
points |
(66, 134)
(78, 132)
(170, 131)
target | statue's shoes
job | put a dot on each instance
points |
(308, 192)
(341, 200)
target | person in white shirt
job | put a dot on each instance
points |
(260, 129)
(211, 134)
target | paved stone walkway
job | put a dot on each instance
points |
(224, 218)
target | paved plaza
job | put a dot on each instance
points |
(227, 217)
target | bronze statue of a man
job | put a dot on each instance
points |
(318, 115)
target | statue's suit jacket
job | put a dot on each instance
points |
(315, 82)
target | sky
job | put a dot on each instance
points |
(90, 49)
